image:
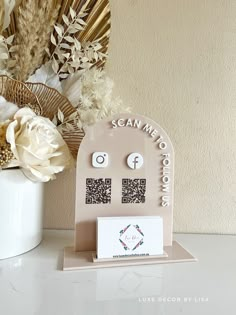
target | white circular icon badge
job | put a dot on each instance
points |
(100, 159)
(135, 161)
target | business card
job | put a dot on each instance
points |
(129, 236)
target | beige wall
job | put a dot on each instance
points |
(175, 61)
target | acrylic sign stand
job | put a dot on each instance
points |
(118, 137)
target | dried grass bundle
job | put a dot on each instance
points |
(34, 23)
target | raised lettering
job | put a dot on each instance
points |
(147, 128)
(114, 125)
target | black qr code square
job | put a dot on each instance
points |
(133, 190)
(98, 190)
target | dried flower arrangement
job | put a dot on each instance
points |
(52, 81)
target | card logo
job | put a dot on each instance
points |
(131, 237)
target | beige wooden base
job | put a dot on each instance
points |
(84, 260)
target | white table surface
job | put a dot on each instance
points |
(33, 283)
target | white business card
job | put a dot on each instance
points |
(129, 236)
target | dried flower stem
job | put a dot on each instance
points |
(69, 55)
(65, 33)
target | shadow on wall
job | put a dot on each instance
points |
(59, 201)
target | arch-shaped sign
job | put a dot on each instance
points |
(125, 167)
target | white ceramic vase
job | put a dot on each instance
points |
(21, 212)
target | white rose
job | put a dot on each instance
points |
(38, 147)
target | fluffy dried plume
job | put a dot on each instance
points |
(34, 21)
(92, 94)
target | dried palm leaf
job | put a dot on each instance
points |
(19, 94)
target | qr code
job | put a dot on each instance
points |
(98, 190)
(133, 190)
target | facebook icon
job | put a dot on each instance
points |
(135, 161)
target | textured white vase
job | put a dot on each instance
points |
(21, 212)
